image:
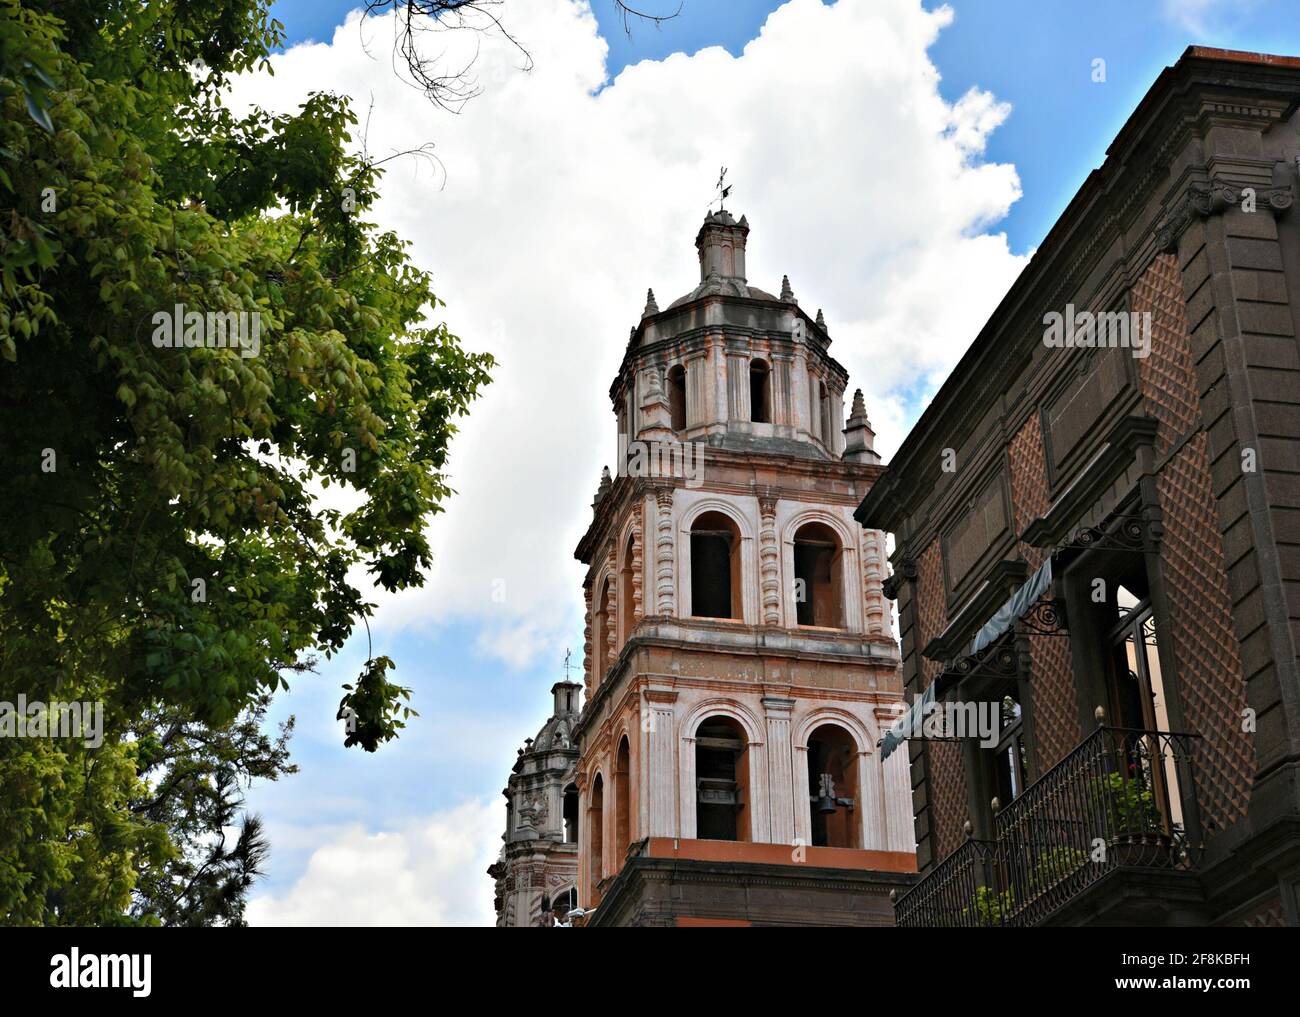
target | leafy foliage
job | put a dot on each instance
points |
(162, 546)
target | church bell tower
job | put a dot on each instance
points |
(740, 664)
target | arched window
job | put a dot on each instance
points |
(600, 623)
(622, 811)
(721, 781)
(625, 599)
(677, 396)
(818, 578)
(571, 814)
(595, 823)
(833, 787)
(760, 395)
(715, 567)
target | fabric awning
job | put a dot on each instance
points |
(909, 723)
(1014, 609)
(1003, 618)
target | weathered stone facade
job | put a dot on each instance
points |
(736, 617)
(536, 873)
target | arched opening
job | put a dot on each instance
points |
(715, 567)
(595, 823)
(677, 396)
(622, 811)
(625, 599)
(824, 411)
(599, 634)
(760, 397)
(571, 814)
(833, 787)
(818, 578)
(721, 781)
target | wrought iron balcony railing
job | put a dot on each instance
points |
(1121, 798)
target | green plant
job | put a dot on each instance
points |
(1129, 801)
(1054, 864)
(988, 907)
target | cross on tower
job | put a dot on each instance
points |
(567, 665)
(723, 189)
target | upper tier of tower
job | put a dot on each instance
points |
(735, 367)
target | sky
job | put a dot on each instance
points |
(899, 160)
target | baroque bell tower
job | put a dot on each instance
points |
(740, 664)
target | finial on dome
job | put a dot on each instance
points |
(859, 438)
(605, 484)
(787, 294)
(650, 306)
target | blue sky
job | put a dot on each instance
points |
(476, 709)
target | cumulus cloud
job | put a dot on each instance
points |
(430, 871)
(567, 194)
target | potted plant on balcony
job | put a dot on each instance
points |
(988, 907)
(1136, 832)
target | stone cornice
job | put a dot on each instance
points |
(1202, 200)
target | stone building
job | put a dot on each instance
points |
(740, 663)
(1100, 540)
(536, 873)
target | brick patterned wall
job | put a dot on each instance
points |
(1167, 377)
(1051, 683)
(947, 772)
(1210, 680)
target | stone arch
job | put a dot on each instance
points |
(850, 579)
(748, 565)
(756, 781)
(870, 823)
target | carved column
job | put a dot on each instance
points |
(612, 618)
(637, 563)
(664, 567)
(873, 575)
(781, 794)
(589, 670)
(660, 790)
(769, 561)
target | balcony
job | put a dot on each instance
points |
(1123, 802)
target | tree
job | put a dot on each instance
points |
(198, 331)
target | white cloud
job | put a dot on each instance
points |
(1201, 17)
(430, 871)
(564, 200)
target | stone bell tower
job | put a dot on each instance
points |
(740, 664)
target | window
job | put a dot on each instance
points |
(677, 397)
(1009, 753)
(760, 404)
(571, 814)
(599, 633)
(715, 567)
(595, 823)
(721, 777)
(1138, 698)
(622, 812)
(833, 787)
(625, 591)
(818, 583)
